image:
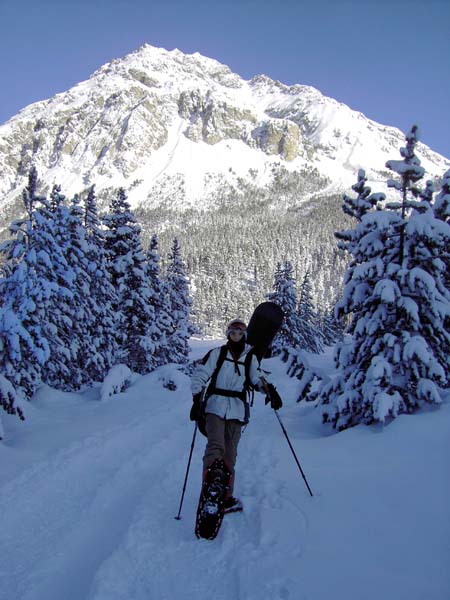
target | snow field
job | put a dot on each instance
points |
(89, 491)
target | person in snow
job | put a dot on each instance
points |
(231, 371)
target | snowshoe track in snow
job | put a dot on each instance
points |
(87, 510)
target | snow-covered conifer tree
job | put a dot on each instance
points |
(427, 243)
(163, 326)
(308, 319)
(330, 328)
(84, 308)
(177, 289)
(277, 279)
(390, 365)
(104, 322)
(426, 308)
(442, 212)
(24, 347)
(126, 261)
(52, 242)
(285, 295)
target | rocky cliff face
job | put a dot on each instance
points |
(155, 117)
(212, 121)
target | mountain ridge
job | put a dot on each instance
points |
(245, 174)
(155, 121)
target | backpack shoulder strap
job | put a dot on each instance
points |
(204, 360)
(248, 361)
(221, 359)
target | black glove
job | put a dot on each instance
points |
(196, 408)
(273, 397)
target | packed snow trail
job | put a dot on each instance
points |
(89, 492)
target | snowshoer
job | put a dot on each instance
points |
(231, 370)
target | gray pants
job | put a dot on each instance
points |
(223, 440)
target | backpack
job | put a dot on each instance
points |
(212, 389)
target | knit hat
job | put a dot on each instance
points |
(236, 324)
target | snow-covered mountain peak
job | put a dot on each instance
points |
(169, 125)
(263, 84)
(170, 69)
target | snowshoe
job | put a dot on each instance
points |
(211, 505)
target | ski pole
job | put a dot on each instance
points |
(178, 518)
(293, 451)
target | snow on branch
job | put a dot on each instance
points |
(9, 401)
(311, 379)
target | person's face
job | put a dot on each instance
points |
(236, 334)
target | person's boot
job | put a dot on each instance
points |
(232, 504)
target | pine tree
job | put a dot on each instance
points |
(427, 240)
(177, 290)
(308, 319)
(127, 267)
(442, 212)
(104, 321)
(162, 327)
(285, 295)
(410, 173)
(363, 203)
(24, 348)
(426, 307)
(391, 364)
(53, 238)
(331, 329)
(84, 308)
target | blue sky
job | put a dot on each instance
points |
(389, 59)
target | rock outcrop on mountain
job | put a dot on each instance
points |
(156, 116)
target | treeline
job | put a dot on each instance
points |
(232, 249)
(304, 327)
(79, 294)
